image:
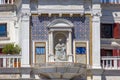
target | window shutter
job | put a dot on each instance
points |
(116, 52)
(116, 31)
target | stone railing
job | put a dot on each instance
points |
(10, 61)
(110, 1)
(7, 2)
(110, 62)
(59, 64)
(109, 41)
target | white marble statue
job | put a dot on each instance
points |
(60, 51)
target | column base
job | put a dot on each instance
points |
(97, 77)
(25, 65)
(25, 76)
(96, 67)
(70, 58)
(37, 77)
(51, 58)
(89, 78)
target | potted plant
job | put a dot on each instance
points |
(11, 49)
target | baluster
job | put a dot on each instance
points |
(4, 62)
(17, 62)
(1, 62)
(7, 1)
(118, 63)
(110, 63)
(0, 1)
(11, 1)
(9, 63)
(107, 64)
(115, 63)
(4, 2)
(13, 62)
(103, 64)
(115, 1)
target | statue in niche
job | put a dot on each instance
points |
(60, 50)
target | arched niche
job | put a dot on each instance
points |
(60, 29)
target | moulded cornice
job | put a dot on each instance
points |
(59, 22)
(109, 6)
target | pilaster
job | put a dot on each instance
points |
(51, 54)
(25, 6)
(25, 40)
(96, 40)
(70, 47)
(24, 32)
(97, 74)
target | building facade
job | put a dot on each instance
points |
(66, 40)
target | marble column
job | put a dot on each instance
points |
(25, 40)
(70, 56)
(51, 54)
(96, 41)
(25, 36)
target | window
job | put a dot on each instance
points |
(106, 52)
(3, 30)
(106, 30)
(110, 30)
(40, 50)
(80, 50)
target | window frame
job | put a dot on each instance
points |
(106, 24)
(6, 32)
(81, 52)
(41, 52)
(87, 49)
(33, 49)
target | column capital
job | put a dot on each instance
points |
(25, 16)
(51, 31)
(97, 14)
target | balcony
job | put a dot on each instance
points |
(110, 62)
(10, 61)
(3, 2)
(110, 1)
(7, 5)
(107, 43)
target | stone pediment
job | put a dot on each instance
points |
(60, 23)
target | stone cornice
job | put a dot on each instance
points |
(7, 7)
(109, 6)
(64, 11)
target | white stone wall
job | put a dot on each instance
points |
(8, 17)
(112, 77)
